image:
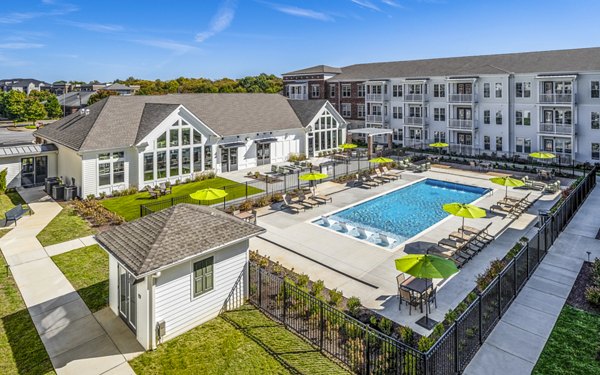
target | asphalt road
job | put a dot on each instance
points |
(9, 137)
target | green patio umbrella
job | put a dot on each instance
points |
(426, 267)
(381, 160)
(313, 176)
(507, 181)
(463, 210)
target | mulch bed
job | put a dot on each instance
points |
(577, 296)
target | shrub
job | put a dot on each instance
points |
(353, 305)
(438, 330)
(406, 334)
(484, 279)
(3, 174)
(592, 294)
(277, 197)
(246, 205)
(205, 175)
(373, 321)
(303, 280)
(335, 297)
(317, 288)
(89, 197)
(102, 195)
(386, 326)
(425, 343)
(263, 201)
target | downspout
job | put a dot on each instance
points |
(152, 312)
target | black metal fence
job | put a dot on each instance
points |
(366, 351)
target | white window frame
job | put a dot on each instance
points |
(346, 90)
(346, 110)
(360, 111)
(595, 91)
(439, 90)
(315, 90)
(498, 90)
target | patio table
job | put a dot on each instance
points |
(418, 286)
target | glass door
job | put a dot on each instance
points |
(233, 159)
(27, 172)
(224, 160)
(263, 153)
(127, 298)
(41, 169)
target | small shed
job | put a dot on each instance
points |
(172, 270)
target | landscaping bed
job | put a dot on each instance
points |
(66, 226)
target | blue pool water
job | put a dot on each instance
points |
(405, 212)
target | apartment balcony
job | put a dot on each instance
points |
(556, 98)
(460, 124)
(417, 121)
(298, 96)
(413, 97)
(559, 129)
(460, 98)
(374, 97)
(377, 119)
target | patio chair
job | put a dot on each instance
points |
(387, 172)
(164, 190)
(368, 183)
(400, 279)
(362, 234)
(292, 206)
(409, 298)
(430, 297)
(481, 235)
(153, 193)
(274, 169)
(553, 187)
(326, 222)
(385, 241)
(375, 179)
(303, 199)
(343, 227)
(382, 177)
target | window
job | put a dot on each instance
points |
(161, 141)
(197, 162)
(103, 174)
(346, 91)
(397, 112)
(207, 157)
(499, 118)
(498, 143)
(595, 120)
(197, 137)
(174, 137)
(185, 136)
(111, 169)
(203, 276)
(523, 89)
(523, 118)
(439, 90)
(161, 164)
(595, 92)
(519, 145)
(346, 109)
(596, 151)
(148, 166)
(173, 163)
(486, 90)
(361, 111)
(498, 90)
(185, 161)
(118, 172)
(361, 90)
(486, 117)
(315, 91)
(439, 114)
(523, 145)
(397, 91)
(332, 91)
(486, 142)
(439, 136)
(527, 146)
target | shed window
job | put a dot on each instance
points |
(203, 276)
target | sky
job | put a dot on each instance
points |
(158, 39)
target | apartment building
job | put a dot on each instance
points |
(507, 103)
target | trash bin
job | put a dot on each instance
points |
(70, 193)
(58, 192)
(48, 183)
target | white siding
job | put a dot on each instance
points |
(174, 301)
(113, 288)
(89, 167)
(69, 166)
(13, 168)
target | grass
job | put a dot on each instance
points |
(238, 342)
(21, 350)
(66, 226)
(9, 200)
(87, 270)
(573, 345)
(129, 206)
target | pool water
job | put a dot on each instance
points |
(403, 213)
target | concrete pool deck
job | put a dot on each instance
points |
(367, 271)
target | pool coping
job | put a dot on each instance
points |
(396, 247)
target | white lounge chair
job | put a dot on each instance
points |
(326, 222)
(343, 227)
(362, 234)
(384, 241)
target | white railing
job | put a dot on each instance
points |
(460, 124)
(297, 96)
(414, 120)
(556, 98)
(413, 97)
(374, 97)
(556, 128)
(374, 118)
(460, 98)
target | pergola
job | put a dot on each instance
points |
(369, 133)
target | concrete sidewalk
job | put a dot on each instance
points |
(76, 340)
(516, 343)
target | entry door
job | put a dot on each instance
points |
(465, 138)
(27, 172)
(41, 169)
(127, 298)
(263, 153)
(229, 159)
(464, 113)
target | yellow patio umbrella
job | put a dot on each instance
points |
(208, 194)
(313, 176)
(507, 181)
(439, 145)
(347, 146)
(463, 210)
(542, 155)
(381, 160)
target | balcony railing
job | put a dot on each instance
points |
(374, 97)
(298, 96)
(413, 97)
(460, 124)
(565, 129)
(414, 120)
(375, 118)
(460, 98)
(556, 98)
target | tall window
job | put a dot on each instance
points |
(346, 109)
(186, 161)
(332, 91)
(439, 90)
(439, 136)
(111, 168)
(325, 135)
(487, 117)
(499, 118)
(595, 120)
(174, 137)
(185, 136)
(498, 143)
(203, 276)
(498, 90)
(486, 142)
(527, 145)
(523, 89)
(439, 114)
(361, 90)
(595, 91)
(519, 145)
(148, 166)
(346, 90)
(315, 91)
(523, 118)
(596, 151)
(208, 157)
(397, 112)
(360, 111)
(397, 91)
(486, 90)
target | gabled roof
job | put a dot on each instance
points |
(22, 82)
(173, 235)
(122, 121)
(73, 98)
(117, 86)
(318, 69)
(306, 110)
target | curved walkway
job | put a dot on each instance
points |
(76, 340)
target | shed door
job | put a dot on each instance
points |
(127, 298)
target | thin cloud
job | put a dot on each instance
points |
(19, 17)
(366, 4)
(302, 12)
(219, 22)
(392, 3)
(171, 45)
(20, 45)
(97, 27)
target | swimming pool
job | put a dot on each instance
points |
(403, 213)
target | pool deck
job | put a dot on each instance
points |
(367, 270)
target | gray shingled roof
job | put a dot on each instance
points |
(26, 149)
(318, 69)
(306, 110)
(122, 121)
(173, 235)
(71, 99)
(559, 61)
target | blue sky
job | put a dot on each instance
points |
(108, 39)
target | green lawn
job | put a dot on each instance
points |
(66, 226)
(257, 345)
(573, 345)
(87, 270)
(9, 200)
(129, 206)
(21, 350)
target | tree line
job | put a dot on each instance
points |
(18, 106)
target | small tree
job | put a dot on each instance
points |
(34, 110)
(15, 105)
(3, 180)
(53, 108)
